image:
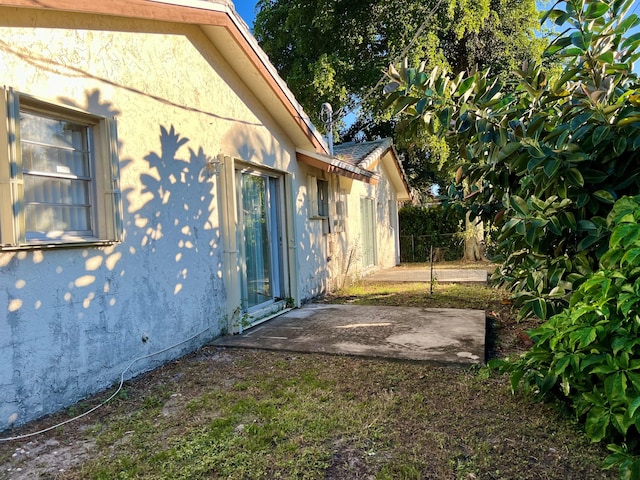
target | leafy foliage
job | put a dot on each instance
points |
(589, 354)
(415, 220)
(335, 51)
(440, 227)
(545, 159)
(553, 162)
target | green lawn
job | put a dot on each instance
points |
(235, 413)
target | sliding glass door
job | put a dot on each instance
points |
(258, 229)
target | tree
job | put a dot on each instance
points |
(546, 158)
(336, 50)
(553, 161)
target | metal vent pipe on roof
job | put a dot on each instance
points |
(326, 115)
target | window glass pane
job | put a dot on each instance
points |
(257, 245)
(43, 158)
(57, 176)
(51, 131)
(53, 145)
(43, 189)
(48, 221)
(323, 198)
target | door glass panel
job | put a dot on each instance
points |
(257, 244)
(368, 232)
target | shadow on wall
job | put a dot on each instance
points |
(89, 311)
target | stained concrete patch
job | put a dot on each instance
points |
(443, 335)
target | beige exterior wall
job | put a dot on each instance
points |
(72, 319)
(335, 258)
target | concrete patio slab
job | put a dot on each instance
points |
(442, 275)
(440, 335)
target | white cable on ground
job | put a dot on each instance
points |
(27, 435)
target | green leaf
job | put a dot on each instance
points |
(574, 177)
(465, 85)
(606, 57)
(515, 378)
(599, 134)
(585, 336)
(587, 242)
(626, 232)
(615, 386)
(519, 205)
(631, 257)
(507, 150)
(565, 77)
(596, 10)
(547, 384)
(630, 40)
(596, 424)
(633, 406)
(562, 364)
(551, 167)
(539, 308)
(578, 40)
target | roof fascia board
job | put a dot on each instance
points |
(334, 165)
(195, 12)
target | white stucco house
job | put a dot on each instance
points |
(159, 187)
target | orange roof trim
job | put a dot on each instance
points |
(215, 13)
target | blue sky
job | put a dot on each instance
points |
(246, 10)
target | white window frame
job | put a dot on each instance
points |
(318, 197)
(106, 199)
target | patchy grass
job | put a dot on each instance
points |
(237, 414)
(416, 294)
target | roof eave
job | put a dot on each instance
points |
(337, 166)
(228, 33)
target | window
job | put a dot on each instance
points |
(58, 175)
(318, 193)
(323, 198)
(340, 219)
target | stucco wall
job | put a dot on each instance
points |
(73, 319)
(330, 261)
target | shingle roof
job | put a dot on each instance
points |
(362, 154)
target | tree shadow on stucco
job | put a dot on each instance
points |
(174, 227)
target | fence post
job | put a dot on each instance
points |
(413, 249)
(431, 262)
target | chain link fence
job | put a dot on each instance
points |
(439, 247)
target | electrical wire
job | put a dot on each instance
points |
(39, 432)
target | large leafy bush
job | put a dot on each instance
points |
(553, 160)
(589, 354)
(424, 227)
(545, 157)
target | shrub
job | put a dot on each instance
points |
(589, 354)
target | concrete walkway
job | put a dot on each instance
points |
(440, 335)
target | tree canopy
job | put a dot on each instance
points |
(336, 50)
